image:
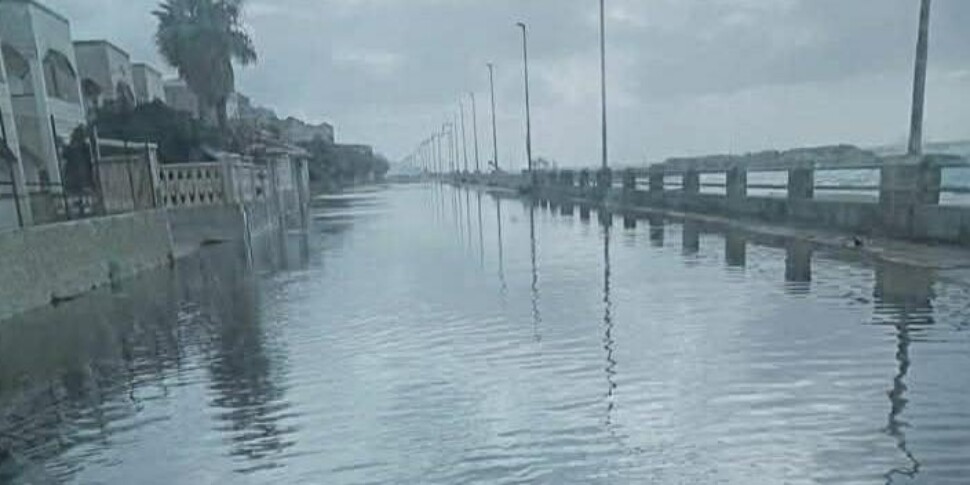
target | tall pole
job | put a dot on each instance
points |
(603, 76)
(439, 159)
(451, 147)
(528, 112)
(919, 81)
(478, 166)
(491, 82)
(464, 138)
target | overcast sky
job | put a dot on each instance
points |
(685, 76)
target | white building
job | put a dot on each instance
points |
(181, 98)
(45, 91)
(149, 86)
(105, 71)
(14, 204)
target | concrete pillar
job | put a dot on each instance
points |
(41, 107)
(916, 182)
(629, 180)
(656, 181)
(692, 182)
(737, 183)
(801, 184)
(905, 186)
(229, 193)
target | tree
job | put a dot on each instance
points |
(202, 39)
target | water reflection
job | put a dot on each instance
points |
(798, 266)
(468, 216)
(691, 237)
(735, 249)
(481, 232)
(657, 228)
(71, 375)
(609, 343)
(904, 296)
(536, 314)
(501, 244)
(375, 366)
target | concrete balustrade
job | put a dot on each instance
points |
(908, 204)
(692, 182)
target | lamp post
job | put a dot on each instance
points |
(528, 113)
(478, 167)
(491, 82)
(464, 137)
(919, 81)
(603, 77)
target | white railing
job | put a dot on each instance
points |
(231, 180)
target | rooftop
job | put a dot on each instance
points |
(106, 43)
(145, 66)
(40, 6)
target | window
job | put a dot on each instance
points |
(60, 77)
(18, 72)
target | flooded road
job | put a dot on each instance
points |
(434, 335)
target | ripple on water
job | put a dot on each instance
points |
(420, 344)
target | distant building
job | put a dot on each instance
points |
(44, 88)
(236, 106)
(181, 98)
(148, 84)
(106, 74)
(296, 131)
(362, 150)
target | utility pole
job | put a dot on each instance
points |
(919, 81)
(603, 77)
(464, 137)
(491, 82)
(528, 111)
(478, 166)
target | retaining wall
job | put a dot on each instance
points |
(44, 264)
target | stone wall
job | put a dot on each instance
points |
(44, 264)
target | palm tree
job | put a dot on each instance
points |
(202, 38)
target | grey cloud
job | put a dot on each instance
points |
(387, 71)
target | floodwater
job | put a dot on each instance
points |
(432, 335)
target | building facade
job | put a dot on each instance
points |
(106, 75)
(14, 204)
(149, 86)
(179, 97)
(45, 91)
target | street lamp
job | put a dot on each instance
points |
(491, 82)
(464, 137)
(478, 167)
(528, 114)
(919, 81)
(603, 76)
